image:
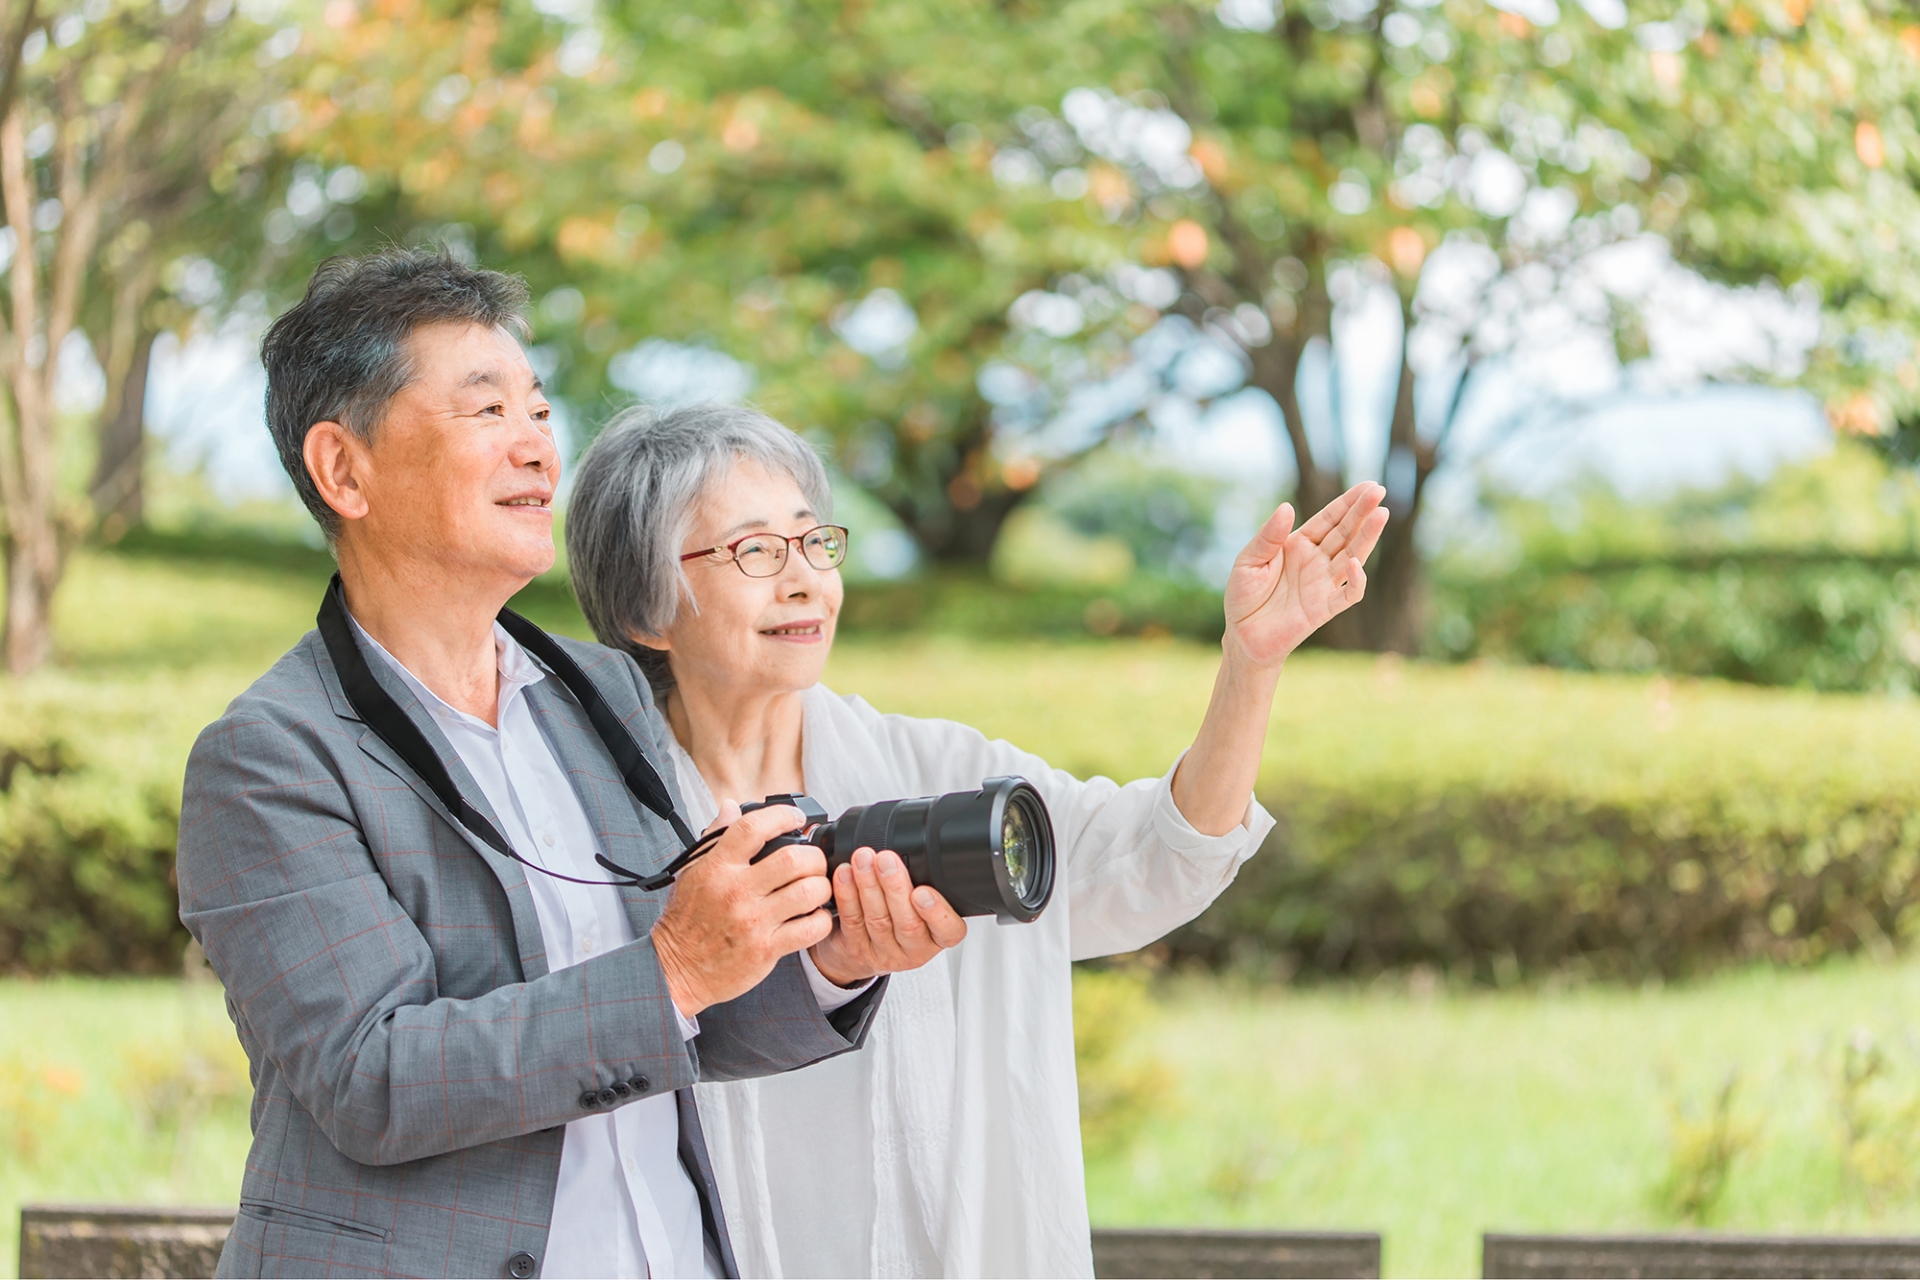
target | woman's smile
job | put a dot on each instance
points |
(804, 631)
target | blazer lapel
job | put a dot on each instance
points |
(627, 832)
(512, 877)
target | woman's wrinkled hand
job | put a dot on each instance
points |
(886, 925)
(1288, 582)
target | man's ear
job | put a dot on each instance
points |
(334, 458)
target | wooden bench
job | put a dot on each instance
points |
(112, 1241)
(1685, 1257)
(1123, 1253)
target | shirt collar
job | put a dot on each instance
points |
(515, 666)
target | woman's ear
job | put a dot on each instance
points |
(658, 644)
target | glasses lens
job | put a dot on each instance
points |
(826, 546)
(761, 557)
(1016, 848)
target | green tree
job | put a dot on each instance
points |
(122, 122)
(1794, 155)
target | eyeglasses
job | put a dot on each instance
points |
(764, 555)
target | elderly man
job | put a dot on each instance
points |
(431, 853)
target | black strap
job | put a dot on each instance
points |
(384, 716)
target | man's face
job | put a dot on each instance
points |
(461, 473)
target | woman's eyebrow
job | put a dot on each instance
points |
(761, 522)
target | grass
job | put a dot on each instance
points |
(1436, 1117)
(1426, 1113)
(1428, 1117)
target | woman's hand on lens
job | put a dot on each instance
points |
(886, 924)
(1289, 582)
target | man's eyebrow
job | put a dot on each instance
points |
(490, 378)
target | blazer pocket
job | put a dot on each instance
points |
(286, 1216)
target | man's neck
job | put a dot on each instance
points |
(435, 625)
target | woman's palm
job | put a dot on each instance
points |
(1289, 582)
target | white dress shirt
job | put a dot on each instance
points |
(625, 1205)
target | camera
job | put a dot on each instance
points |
(988, 852)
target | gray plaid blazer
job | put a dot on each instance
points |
(413, 1059)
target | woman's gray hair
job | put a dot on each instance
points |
(633, 503)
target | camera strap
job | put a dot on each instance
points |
(384, 716)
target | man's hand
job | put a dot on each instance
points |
(1289, 582)
(886, 925)
(731, 919)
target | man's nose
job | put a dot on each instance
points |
(535, 446)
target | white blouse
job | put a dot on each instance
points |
(950, 1146)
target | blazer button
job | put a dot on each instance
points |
(622, 1089)
(522, 1265)
(589, 1100)
(640, 1084)
(608, 1097)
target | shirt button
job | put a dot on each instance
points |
(549, 839)
(586, 944)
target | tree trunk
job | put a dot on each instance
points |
(118, 489)
(1388, 620)
(33, 571)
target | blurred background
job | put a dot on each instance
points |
(1598, 855)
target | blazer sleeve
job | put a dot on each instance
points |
(334, 982)
(1133, 867)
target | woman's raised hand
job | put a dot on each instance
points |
(1288, 582)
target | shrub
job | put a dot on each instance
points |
(1629, 828)
(89, 816)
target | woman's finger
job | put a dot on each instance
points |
(846, 898)
(1366, 500)
(909, 931)
(1356, 582)
(873, 899)
(948, 927)
(1368, 537)
(1328, 516)
(1270, 539)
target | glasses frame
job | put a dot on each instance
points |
(730, 551)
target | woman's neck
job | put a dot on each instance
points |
(745, 747)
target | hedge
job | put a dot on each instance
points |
(89, 815)
(1818, 620)
(1622, 828)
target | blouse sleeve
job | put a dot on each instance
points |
(1135, 868)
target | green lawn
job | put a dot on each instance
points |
(1427, 1118)
(1430, 1117)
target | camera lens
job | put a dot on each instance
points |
(988, 852)
(1016, 846)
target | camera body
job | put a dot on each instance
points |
(988, 852)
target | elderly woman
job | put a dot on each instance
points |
(700, 543)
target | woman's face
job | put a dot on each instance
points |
(768, 635)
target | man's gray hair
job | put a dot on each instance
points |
(633, 502)
(340, 354)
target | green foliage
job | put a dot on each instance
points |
(1120, 1085)
(971, 604)
(1165, 517)
(89, 812)
(1809, 578)
(1704, 1143)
